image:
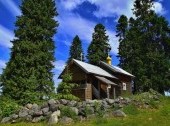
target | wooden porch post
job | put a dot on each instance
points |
(108, 95)
(114, 92)
(99, 88)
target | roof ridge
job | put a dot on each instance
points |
(118, 69)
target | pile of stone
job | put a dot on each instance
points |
(51, 111)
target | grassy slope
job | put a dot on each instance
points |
(144, 117)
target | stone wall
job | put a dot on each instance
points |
(51, 111)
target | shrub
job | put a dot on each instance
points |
(131, 109)
(7, 107)
(65, 88)
(87, 111)
(99, 109)
(97, 106)
(67, 97)
(68, 112)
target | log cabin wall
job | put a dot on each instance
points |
(128, 81)
(77, 73)
(80, 93)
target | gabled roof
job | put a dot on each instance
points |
(92, 69)
(116, 69)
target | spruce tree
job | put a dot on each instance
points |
(28, 76)
(146, 42)
(76, 51)
(99, 48)
(122, 28)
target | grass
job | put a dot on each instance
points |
(135, 117)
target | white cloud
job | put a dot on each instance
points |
(113, 41)
(5, 37)
(105, 8)
(73, 24)
(158, 7)
(112, 8)
(59, 66)
(11, 6)
(2, 65)
(70, 4)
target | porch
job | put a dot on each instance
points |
(99, 88)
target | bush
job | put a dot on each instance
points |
(7, 107)
(87, 111)
(99, 109)
(131, 109)
(68, 112)
(64, 89)
(67, 97)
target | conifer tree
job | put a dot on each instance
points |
(99, 48)
(28, 76)
(76, 51)
(146, 42)
(122, 28)
(64, 89)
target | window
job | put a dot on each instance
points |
(124, 86)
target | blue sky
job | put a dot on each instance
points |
(76, 17)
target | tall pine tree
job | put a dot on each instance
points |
(122, 27)
(99, 48)
(28, 76)
(146, 41)
(76, 51)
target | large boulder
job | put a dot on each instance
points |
(48, 113)
(65, 120)
(45, 110)
(35, 107)
(54, 117)
(51, 101)
(54, 107)
(23, 113)
(31, 112)
(14, 116)
(38, 113)
(110, 101)
(88, 101)
(29, 118)
(75, 110)
(119, 113)
(63, 101)
(29, 106)
(72, 103)
(37, 119)
(6, 120)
